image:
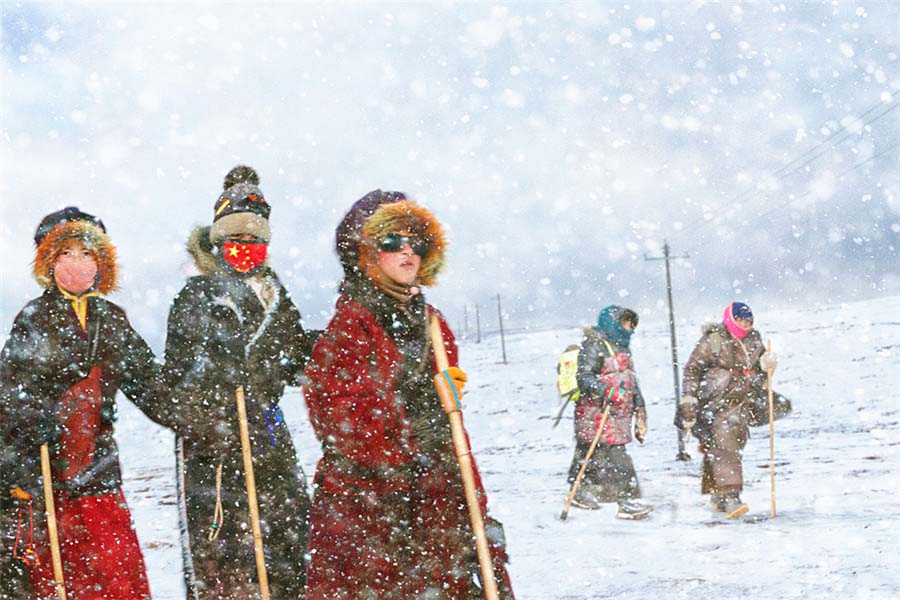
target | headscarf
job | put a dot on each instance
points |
(737, 310)
(611, 327)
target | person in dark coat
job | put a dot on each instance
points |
(389, 517)
(606, 377)
(70, 351)
(726, 370)
(236, 325)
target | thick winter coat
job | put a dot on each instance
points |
(221, 336)
(388, 476)
(47, 355)
(722, 371)
(603, 364)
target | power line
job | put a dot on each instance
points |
(690, 226)
(808, 192)
(833, 134)
(841, 174)
(846, 135)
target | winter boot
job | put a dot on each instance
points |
(632, 510)
(717, 502)
(734, 507)
(585, 499)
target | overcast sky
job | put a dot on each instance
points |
(558, 142)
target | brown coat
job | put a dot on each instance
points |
(723, 373)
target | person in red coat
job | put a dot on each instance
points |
(389, 517)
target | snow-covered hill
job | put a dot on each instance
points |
(837, 533)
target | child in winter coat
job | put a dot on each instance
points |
(69, 352)
(389, 517)
(235, 325)
(725, 371)
(606, 377)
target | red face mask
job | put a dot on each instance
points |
(244, 257)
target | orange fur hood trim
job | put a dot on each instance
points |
(405, 215)
(96, 241)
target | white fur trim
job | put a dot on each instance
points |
(240, 223)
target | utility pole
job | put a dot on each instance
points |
(682, 453)
(477, 324)
(502, 338)
(465, 320)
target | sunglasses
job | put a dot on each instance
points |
(394, 242)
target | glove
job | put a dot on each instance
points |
(688, 407)
(614, 394)
(640, 423)
(20, 494)
(768, 361)
(459, 378)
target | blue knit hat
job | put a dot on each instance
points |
(739, 310)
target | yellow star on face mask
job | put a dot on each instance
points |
(233, 251)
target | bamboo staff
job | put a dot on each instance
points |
(51, 522)
(251, 495)
(771, 433)
(450, 401)
(590, 452)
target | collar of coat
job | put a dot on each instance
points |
(394, 315)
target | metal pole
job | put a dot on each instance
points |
(682, 454)
(502, 337)
(477, 324)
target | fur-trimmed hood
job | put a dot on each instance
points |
(405, 215)
(710, 326)
(205, 255)
(96, 241)
(380, 212)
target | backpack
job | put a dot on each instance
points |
(567, 373)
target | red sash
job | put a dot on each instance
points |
(79, 416)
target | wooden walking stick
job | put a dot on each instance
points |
(771, 433)
(587, 458)
(452, 406)
(50, 506)
(251, 495)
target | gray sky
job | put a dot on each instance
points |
(558, 142)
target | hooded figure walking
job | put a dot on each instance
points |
(389, 516)
(606, 377)
(236, 325)
(726, 370)
(68, 354)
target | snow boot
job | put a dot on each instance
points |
(632, 510)
(717, 502)
(585, 499)
(734, 507)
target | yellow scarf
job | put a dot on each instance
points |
(79, 304)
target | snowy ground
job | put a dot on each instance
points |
(837, 533)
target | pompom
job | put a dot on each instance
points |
(241, 174)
